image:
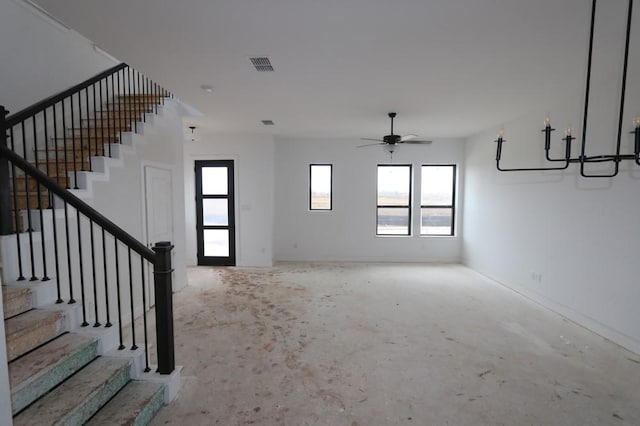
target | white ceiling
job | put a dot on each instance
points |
(449, 68)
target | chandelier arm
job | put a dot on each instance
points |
(617, 158)
(500, 140)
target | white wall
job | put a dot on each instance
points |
(569, 242)
(41, 57)
(254, 168)
(581, 235)
(348, 232)
(160, 146)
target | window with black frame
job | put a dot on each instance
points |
(320, 186)
(437, 199)
(394, 200)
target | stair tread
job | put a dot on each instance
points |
(80, 396)
(15, 300)
(20, 324)
(27, 368)
(34, 374)
(31, 329)
(135, 404)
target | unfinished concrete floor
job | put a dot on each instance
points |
(374, 344)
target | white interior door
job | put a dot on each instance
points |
(159, 212)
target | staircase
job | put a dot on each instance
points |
(66, 319)
(58, 377)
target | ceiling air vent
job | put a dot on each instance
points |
(262, 64)
(268, 122)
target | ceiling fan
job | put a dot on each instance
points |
(391, 140)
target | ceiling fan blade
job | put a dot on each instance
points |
(370, 144)
(418, 142)
(408, 137)
(369, 139)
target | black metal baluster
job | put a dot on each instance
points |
(55, 144)
(81, 130)
(69, 271)
(133, 317)
(93, 275)
(64, 148)
(55, 251)
(147, 95)
(81, 266)
(27, 196)
(117, 261)
(106, 285)
(156, 98)
(132, 107)
(16, 213)
(134, 100)
(73, 145)
(106, 105)
(119, 115)
(45, 277)
(108, 138)
(144, 317)
(88, 122)
(143, 105)
(118, 126)
(95, 118)
(46, 141)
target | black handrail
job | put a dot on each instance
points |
(28, 112)
(76, 202)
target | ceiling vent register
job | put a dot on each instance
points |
(262, 64)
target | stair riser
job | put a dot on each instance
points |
(31, 202)
(108, 123)
(60, 168)
(130, 116)
(69, 154)
(134, 109)
(94, 133)
(147, 103)
(90, 146)
(16, 302)
(21, 183)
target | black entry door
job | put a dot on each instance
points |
(215, 213)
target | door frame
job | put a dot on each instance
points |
(230, 165)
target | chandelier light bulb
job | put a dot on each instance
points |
(636, 122)
(547, 121)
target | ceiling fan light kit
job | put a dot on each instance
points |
(582, 158)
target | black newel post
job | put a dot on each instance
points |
(164, 307)
(6, 227)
